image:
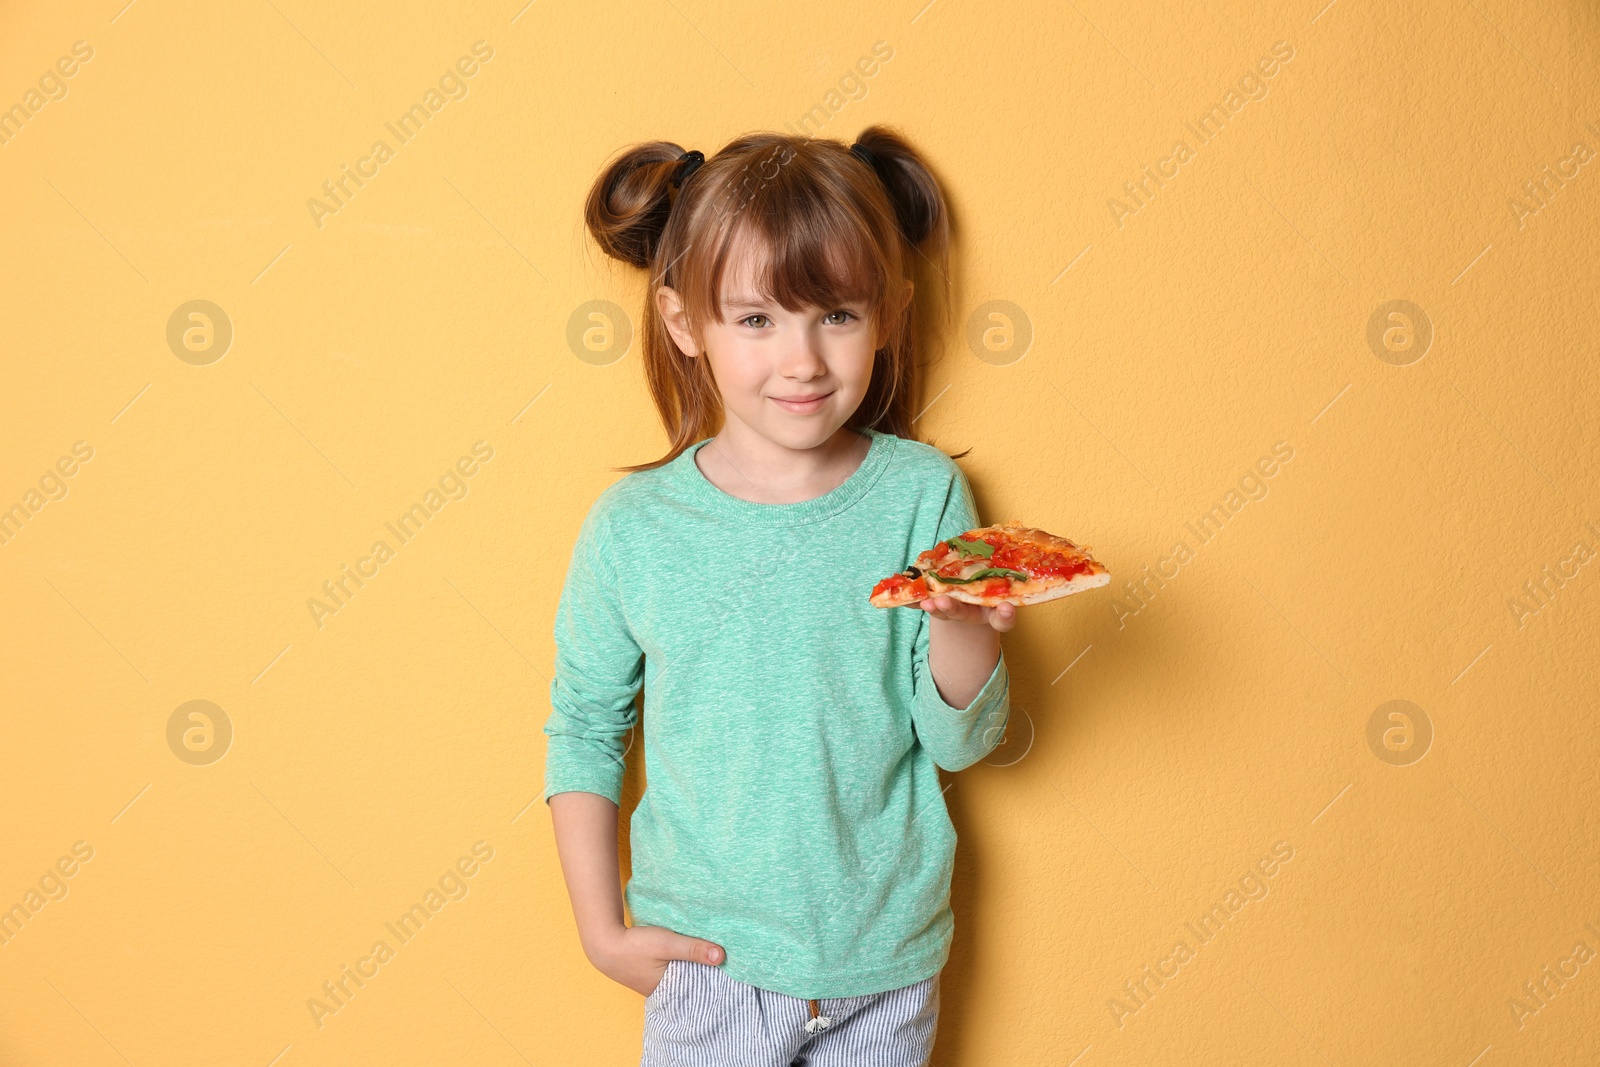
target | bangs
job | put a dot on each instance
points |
(811, 247)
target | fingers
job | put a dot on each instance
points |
(947, 607)
(668, 944)
(701, 951)
(943, 606)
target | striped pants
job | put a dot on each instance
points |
(699, 1017)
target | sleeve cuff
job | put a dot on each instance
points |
(562, 776)
(956, 737)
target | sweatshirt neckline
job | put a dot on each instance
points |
(880, 447)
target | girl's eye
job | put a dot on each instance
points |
(847, 316)
(746, 320)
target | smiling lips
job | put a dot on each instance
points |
(802, 404)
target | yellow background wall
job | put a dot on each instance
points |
(1151, 352)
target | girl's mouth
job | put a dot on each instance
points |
(802, 407)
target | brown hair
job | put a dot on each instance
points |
(839, 229)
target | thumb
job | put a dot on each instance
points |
(698, 950)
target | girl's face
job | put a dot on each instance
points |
(792, 377)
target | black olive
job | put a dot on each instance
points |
(913, 572)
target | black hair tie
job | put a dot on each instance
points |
(863, 153)
(688, 163)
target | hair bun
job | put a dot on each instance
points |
(913, 190)
(627, 207)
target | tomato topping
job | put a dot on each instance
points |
(897, 582)
(889, 584)
(996, 587)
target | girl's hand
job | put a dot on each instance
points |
(636, 956)
(1001, 616)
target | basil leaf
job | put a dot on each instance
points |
(987, 572)
(971, 548)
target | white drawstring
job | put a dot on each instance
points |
(818, 1021)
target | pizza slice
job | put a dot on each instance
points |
(991, 565)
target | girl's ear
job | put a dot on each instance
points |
(670, 304)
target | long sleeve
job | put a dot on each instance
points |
(598, 670)
(957, 738)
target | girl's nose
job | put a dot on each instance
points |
(804, 359)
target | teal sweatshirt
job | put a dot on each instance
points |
(792, 811)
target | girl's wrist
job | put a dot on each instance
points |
(976, 633)
(969, 643)
(598, 939)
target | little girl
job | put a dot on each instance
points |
(791, 851)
